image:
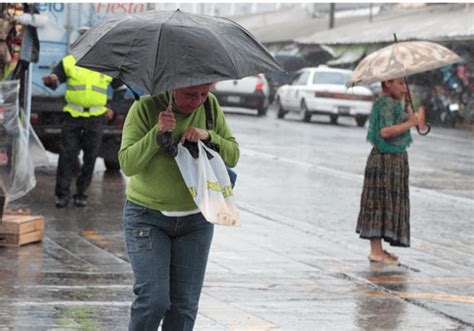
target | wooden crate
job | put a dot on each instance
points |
(23, 212)
(17, 230)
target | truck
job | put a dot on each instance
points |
(60, 31)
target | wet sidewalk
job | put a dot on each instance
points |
(273, 273)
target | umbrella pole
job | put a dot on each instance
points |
(168, 138)
(428, 125)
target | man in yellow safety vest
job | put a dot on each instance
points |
(85, 114)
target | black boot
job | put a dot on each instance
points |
(80, 200)
(62, 201)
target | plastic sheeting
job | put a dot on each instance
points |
(17, 159)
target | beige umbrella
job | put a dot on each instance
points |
(401, 60)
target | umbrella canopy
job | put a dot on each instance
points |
(165, 50)
(400, 60)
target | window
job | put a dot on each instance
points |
(332, 78)
(303, 78)
(295, 79)
(300, 79)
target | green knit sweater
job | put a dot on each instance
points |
(156, 181)
(387, 112)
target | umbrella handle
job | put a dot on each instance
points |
(167, 138)
(428, 129)
(428, 125)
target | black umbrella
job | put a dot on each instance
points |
(165, 50)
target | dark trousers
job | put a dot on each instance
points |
(78, 133)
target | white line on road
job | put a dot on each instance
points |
(70, 303)
(74, 287)
(354, 177)
(448, 138)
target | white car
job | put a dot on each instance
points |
(250, 92)
(322, 90)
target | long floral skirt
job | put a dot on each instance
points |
(385, 202)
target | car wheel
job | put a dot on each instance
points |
(333, 118)
(281, 111)
(262, 111)
(360, 120)
(304, 113)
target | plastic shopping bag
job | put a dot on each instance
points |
(18, 158)
(209, 184)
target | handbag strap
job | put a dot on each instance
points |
(209, 124)
(209, 119)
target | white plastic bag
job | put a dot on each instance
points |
(209, 184)
(17, 160)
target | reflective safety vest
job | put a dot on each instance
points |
(86, 93)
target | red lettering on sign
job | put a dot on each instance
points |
(99, 7)
(138, 8)
(120, 8)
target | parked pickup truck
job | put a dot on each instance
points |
(64, 21)
(47, 116)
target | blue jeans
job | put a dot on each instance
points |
(169, 257)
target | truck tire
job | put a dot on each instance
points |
(112, 165)
(109, 151)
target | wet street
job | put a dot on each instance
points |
(296, 262)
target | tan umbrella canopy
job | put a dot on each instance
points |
(400, 60)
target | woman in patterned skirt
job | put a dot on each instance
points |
(385, 205)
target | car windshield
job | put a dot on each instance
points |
(333, 78)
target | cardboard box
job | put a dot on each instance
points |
(17, 230)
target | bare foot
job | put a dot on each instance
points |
(393, 256)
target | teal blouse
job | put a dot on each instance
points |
(386, 112)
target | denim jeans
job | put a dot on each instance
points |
(169, 257)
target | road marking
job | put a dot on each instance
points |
(94, 236)
(70, 303)
(220, 312)
(74, 287)
(68, 251)
(419, 295)
(422, 280)
(448, 138)
(231, 317)
(354, 177)
(436, 297)
(104, 252)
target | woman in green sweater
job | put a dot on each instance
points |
(166, 236)
(385, 203)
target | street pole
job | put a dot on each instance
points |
(332, 7)
(68, 24)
